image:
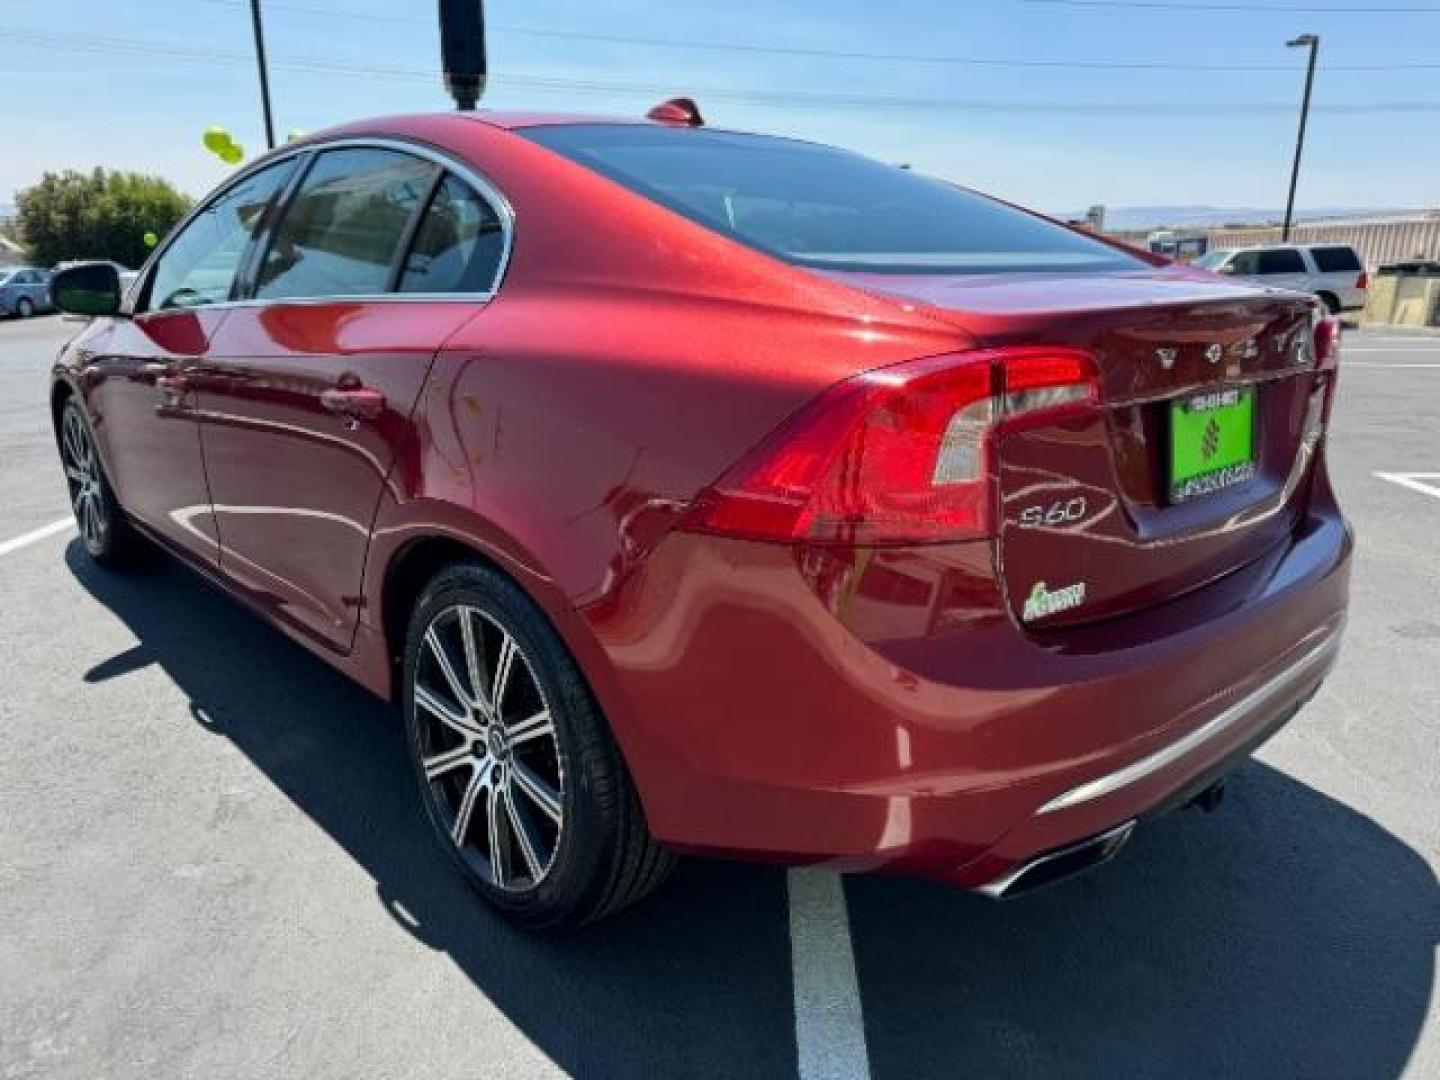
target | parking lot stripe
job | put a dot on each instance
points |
(1415, 481)
(34, 535)
(829, 1023)
(1398, 367)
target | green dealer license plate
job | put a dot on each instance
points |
(1212, 442)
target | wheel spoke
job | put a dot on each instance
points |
(538, 791)
(479, 781)
(442, 659)
(426, 699)
(503, 665)
(474, 666)
(523, 835)
(495, 827)
(444, 762)
(533, 727)
(73, 440)
(90, 519)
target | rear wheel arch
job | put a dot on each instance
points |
(431, 571)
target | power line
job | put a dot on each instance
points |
(787, 99)
(836, 54)
(1295, 9)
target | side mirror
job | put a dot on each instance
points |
(87, 289)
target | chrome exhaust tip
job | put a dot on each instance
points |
(1060, 864)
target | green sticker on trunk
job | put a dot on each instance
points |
(1212, 442)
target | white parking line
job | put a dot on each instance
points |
(829, 1023)
(1372, 364)
(1415, 481)
(34, 535)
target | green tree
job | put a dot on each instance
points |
(102, 214)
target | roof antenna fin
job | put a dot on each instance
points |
(680, 110)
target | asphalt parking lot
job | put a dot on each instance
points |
(212, 861)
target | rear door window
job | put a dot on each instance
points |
(1280, 261)
(459, 245)
(343, 230)
(1336, 260)
(829, 209)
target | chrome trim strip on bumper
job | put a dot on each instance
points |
(1258, 698)
(1109, 842)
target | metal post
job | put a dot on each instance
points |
(264, 73)
(1312, 40)
(462, 50)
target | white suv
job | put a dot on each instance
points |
(1333, 272)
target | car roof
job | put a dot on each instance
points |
(1296, 247)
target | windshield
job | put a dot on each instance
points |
(1210, 260)
(824, 208)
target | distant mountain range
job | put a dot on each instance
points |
(1195, 217)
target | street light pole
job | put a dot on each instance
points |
(1313, 41)
(264, 72)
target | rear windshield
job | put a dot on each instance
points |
(828, 209)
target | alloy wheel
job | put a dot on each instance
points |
(489, 753)
(82, 473)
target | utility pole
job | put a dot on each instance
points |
(264, 72)
(462, 50)
(1313, 41)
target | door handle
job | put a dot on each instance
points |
(355, 402)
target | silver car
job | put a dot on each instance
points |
(24, 291)
(1333, 272)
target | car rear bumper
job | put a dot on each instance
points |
(889, 714)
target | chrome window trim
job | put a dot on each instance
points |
(462, 170)
(1313, 660)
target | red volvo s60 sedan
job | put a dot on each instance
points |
(693, 490)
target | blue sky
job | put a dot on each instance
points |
(157, 73)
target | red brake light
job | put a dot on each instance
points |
(1363, 281)
(1327, 343)
(899, 455)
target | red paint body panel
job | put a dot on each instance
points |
(879, 707)
(294, 485)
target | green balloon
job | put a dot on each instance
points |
(232, 154)
(216, 140)
(150, 239)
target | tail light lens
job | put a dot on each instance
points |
(904, 454)
(1363, 281)
(1327, 343)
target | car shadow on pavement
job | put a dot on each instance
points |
(1287, 935)
(695, 981)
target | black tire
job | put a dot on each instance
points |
(598, 855)
(24, 307)
(1331, 302)
(105, 531)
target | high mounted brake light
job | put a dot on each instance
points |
(900, 455)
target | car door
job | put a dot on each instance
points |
(139, 376)
(310, 387)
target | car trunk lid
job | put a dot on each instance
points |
(1115, 509)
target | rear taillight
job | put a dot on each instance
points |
(1363, 281)
(899, 455)
(1327, 362)
(1327, 343)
